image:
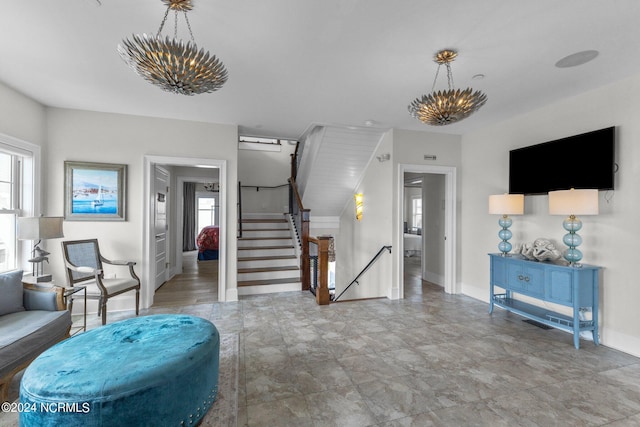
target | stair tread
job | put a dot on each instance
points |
(257, 248)
(260, 220)
(265, 238)
(264, 229)
(267, 269)
(269, 281)
(265, 258)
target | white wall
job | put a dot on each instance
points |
(21, 116)
(114, 138)
(358, 241)
(607, 238)
(269, 169)
(409, 148)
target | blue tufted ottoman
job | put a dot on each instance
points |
(159, 370)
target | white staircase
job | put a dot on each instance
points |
(267, 260)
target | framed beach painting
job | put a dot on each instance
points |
(94, 191)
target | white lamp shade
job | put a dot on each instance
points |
(573, 202)
(506, 204)
(38, 228)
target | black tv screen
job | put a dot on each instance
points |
(585, 161)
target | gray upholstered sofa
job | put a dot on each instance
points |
(32, 319)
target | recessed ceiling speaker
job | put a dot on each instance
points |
(577, 58)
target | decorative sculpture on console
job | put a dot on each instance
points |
(540, 250)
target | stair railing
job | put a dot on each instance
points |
(239, 209)
(364, 270)
(268, 187)
(300, 217)
(315, 279)
(320, 272)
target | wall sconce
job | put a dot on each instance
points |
(573, 202)
(359, 206)
(505, 205)
(384, 157)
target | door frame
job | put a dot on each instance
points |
(148, 248)
(451, 285)
(167, 272)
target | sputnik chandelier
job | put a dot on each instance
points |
(448, 106)
(170, 63)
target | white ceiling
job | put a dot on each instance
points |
(339, 159)
(341, 62)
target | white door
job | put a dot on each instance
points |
(161, 226)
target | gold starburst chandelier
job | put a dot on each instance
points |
(170, 63)
(448, 106)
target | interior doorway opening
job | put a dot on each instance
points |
(427, 225)
(183, 169)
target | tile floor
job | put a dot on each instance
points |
(431, 359)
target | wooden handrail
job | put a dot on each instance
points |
(294, 162)
(305, 274)
(297, 198)
(323, 296)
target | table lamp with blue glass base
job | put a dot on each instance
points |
(573, 202)
(505, 205)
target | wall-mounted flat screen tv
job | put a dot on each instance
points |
(579, 161)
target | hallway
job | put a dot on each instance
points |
(198, 284)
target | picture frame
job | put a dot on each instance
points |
(95, 191)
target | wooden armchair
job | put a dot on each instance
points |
(83, 262)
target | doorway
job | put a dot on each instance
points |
(149, 249)
(209, 211)
(437, 199)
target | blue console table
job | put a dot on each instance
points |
(575, 287)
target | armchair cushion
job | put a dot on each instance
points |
(11, 292)
(112, 285)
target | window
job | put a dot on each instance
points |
(416, 211)
(17, 159)
(9, 204)
(207, 207)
